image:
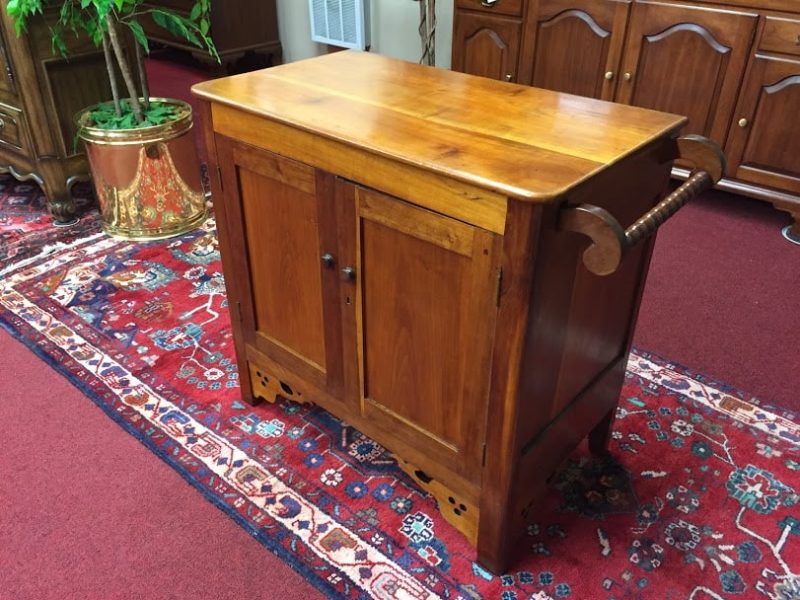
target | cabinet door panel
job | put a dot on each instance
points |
(688, 61)
(486, 45)
(427, 286)
(289, 301)
(570, 46)
(766, 150)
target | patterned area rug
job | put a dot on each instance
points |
(25, 224)
(700, 499)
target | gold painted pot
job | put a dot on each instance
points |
(147, 180)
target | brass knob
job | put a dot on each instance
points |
(509, 77)
(328, 260)
(628, 76)
(609, 75)
(488, 3)
(349, 274)
(743, 122)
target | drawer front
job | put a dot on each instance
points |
(503, 7)
(781, 35)
(12, 128)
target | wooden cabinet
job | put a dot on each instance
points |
(687, 60)
(718, 62)
(40, 94)
(410, 262)
(764, 141)
(575, 46)
(490, 46)
(238, 28)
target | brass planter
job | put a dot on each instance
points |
(147, 180)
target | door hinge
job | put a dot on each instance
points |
(239, 311)
(219, 177)
(483, 459)
(499, 286)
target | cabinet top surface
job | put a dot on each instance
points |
(524, 142)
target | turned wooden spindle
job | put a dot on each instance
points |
(610, 241)
(650, 222)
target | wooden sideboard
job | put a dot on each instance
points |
(40, 94)
(732, 67)
(238, 28)
(400, 252)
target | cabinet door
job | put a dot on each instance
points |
(574, 46)
(688, 61)
(764, 143)
(486, 45)
(278, 228)
(426, 302)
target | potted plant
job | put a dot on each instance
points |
(141, 152)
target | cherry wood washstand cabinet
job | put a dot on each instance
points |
(731, 66)
(404, 246)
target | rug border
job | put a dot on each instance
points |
(318, 582)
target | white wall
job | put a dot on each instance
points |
(393, 30)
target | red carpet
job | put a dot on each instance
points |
(700, 497)
(723, 296)
(89, 513)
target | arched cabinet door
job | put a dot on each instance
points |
(687, 60)
(765, 137)
(486, 45)
(574, 46)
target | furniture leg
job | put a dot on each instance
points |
(599, 436)
(57, 188)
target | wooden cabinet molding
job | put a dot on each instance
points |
(731, 67)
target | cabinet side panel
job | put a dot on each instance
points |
(282, 245)
(580, 322)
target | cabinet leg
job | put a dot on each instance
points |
(57, 187)
(792, 232)
(459, 512)
(599, 436)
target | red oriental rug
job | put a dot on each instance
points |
(700, 499)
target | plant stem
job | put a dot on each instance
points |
(125, 68)
(142, 75)
(112, 76)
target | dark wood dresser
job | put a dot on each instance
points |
(238, 28)
(40, 94)
(731, 66)
(401, 252)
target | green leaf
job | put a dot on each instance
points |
(139, 34)
(197, 10)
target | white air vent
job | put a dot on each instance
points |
(342, 23)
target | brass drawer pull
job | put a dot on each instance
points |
(610, 241)
(489, 3)
(609, 75)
